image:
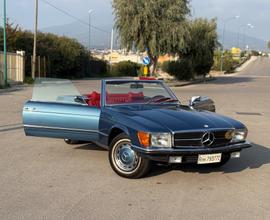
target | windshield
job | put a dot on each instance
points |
(138, 92)
(54, 90)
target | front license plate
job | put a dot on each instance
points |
(209, 158)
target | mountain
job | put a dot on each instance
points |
(231, 40)
(101, 40)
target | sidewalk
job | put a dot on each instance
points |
(14, 88)
(187, 83)
(241, 68)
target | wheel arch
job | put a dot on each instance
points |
(116, 130)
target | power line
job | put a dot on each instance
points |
(74, 17)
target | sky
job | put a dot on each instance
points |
(255, 12)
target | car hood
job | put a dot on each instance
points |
(180, 118)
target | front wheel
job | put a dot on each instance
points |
(125, 161)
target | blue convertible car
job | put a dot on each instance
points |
(138, 121)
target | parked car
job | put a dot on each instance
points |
(137, 121)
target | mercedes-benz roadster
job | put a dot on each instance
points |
(138, 121)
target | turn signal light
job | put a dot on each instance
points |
(144, 138)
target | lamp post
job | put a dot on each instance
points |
(223, 38)
(35, 41)
(244, 34)
(5, 43)
(89, 40)
(243, 26)
(112, 41)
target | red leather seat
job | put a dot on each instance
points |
(94, 99)
(123, 98)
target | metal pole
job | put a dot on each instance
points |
(223, 39)
(89, 41)
(5, 43)
(112, 39)
(238, 37)
(35, 41)
(222, 52)
(38, 66)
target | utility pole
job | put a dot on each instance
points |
(89, 45)
(5, 43)
(35, 41)
(112, 39)
(223, 39)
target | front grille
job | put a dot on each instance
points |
(194, 139)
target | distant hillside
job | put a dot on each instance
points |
(252, 42)
(101, 40)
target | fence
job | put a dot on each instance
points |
(15, 66)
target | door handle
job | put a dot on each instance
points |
(30, 109)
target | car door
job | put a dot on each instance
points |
(53, 112)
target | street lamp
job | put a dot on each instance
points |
(89, 43)
(5, 43)
(244, 34)
(223, 37)
(239, 31)
(90, 13)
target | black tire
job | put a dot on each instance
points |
(225, 158)
(71, 142)
(141, 166)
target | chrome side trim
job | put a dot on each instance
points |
(106, 135)
(59, 128)
(64, 129)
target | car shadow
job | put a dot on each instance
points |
(251, 158)
(230, 80)
(89, 146)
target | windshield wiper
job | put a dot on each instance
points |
(162, 100)
(159, 100)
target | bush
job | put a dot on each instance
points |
(255, 53)
(229, 63)
(29, 80)
(181, 69)
(99, 67)
(125, 68)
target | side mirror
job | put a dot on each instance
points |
(202, 103)
(80, 99)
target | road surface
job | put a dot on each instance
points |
(47, 179)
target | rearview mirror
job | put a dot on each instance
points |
(202, 103)
(136, 86)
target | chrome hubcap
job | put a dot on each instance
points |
(125, 158)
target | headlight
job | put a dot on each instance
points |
(161, 140)
(239, 135)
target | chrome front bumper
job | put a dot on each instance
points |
(163, 154)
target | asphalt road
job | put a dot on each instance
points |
(47, 179)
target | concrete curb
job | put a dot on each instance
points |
(199, 81)
(13, 89)
(246, 64)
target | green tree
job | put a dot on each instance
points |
(66, 58)
(155, 26)
(269, 44)
(200, 47)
